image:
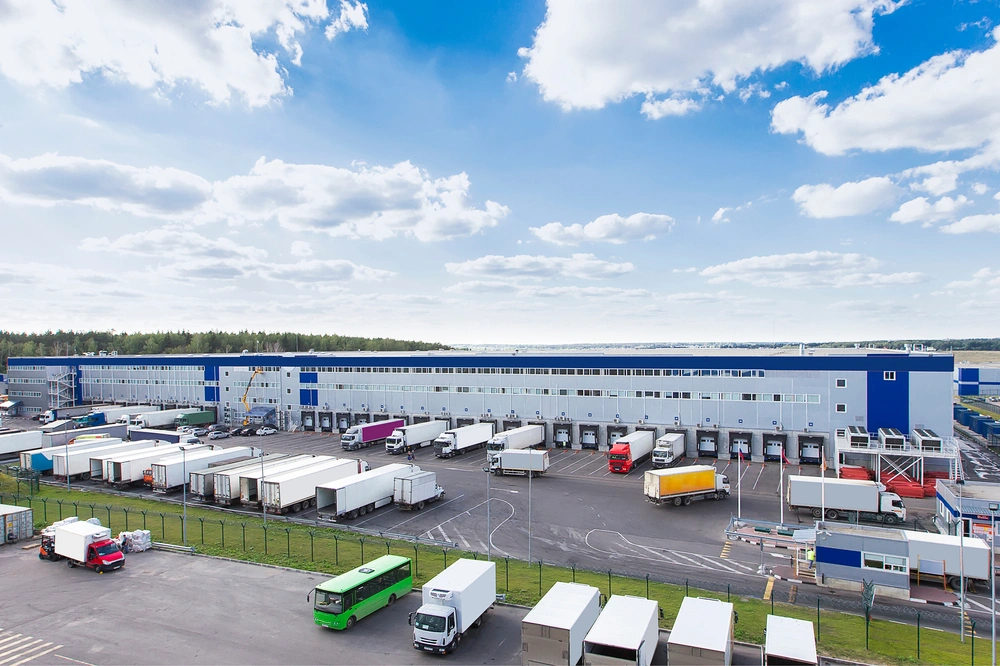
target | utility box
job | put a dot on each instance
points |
(553, 631)
(789, 641)
(17, 523)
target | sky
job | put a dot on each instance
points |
(503, 172)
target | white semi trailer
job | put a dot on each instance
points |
(227, 483)
(168, 472)
(158, 419)
(525, 437)
(202, 482)
(520, 462)
(296, 490)
(461, 440)
(867, 500)
(357, 495)
(76, 462)
(15, 442)
(250, 481)
(128, 468)
(414, 436)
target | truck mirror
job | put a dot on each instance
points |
(409, 619)
(308, 596)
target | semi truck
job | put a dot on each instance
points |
(88, 545)
(864, 500)
(520, 462)
(366, 434)
(669, 450)
(169, 473)
(683, 485)
(415, 490)
(104, 415)
(128, 468)
(453, 601)
(461, 440)
(296, 490)
(60, 413)
(249, 487)
(159, 419)
(553, 631)
(201, 483)
(15, 442)
(206, 417)
(357, 495)
(525, 437)
(630, 451)
(414, 436)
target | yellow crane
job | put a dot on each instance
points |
(246, 403)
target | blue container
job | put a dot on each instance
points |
(965, 419)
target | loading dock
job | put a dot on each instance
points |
(461, 422)
(362, 418)
(774, 445)
(404, 417)
(423, 418)
(810, 449)
(326, 422)
(492, 422)
(381, 416)
(590, 436)
(545, 432)
(688, 453)
(508, 424)
(308, 420)
(739, 443)
(616, 432)
(343, 421)
(708, 443)
(562, 434)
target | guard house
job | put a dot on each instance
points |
(789, 641)
(970, 506)
(846, 555)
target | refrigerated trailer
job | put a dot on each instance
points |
(40, 460)
(158, 419)
(201, 485)
(296, 490)
(846, 498)
(453, 601)
(119, 430)
(250, 480)
(227, 483)
(360, 494)
(15, 442)
(128, 468)
(525, 437)
(169, 472)
(414, 436)
(461, 440)
(519, 462)
(364, 435)
(626, 632)
(77, 462)
(553, 631)
(668, 450)
(415, 490)
(630, 451)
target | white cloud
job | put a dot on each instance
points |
(942, 177)
(984, 277)
(156, 46)
(946, 103)
(720, 215)
(318, 271)
(922, 210)
(181, 244)
(655, 109)
(301, 249)
(511, 77)
(607, 228)
(826, 201)
(974, 224)
(585, 266)
(698, 297)
(588, 53)
(692, 269)
(523, 290)
(809, 269)
(353, 15)
(781, 86)
(979, 188)
(360, 202)
(753, 89)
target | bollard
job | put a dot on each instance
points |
(312, 550)
(244, 536)
(361, 540)
(202, 521)
(222, 524)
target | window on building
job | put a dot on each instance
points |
(885, 562)
(841, 408)
(889, 375)
(841, 383)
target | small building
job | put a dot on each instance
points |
(261, 415)
(10, 408)
(847, 555)
(702, 633)
(789, 641)
(17, 523)
(968, 504)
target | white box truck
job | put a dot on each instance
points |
(941, 555)
(158, 419)
(520, 462)
(525, 437)
(626, 632)
(461, 440)
(413, 491)
(702, 633)
(202, 482)
(357, 495)
(128, 468)
(250, 480)
(553, 631)
(669, 450)
(414, 436)
(168, 472)
(88, 545)
(866, 500)
(453, 601)
(296, 490)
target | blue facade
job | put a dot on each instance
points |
(888, 401)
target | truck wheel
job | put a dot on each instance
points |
(391, 601)
(478, 622)
(371, 508)
(687, 501)
(678, 501)
(817, 513)
(363, 510)
(72, 565)
(890, 519)
(351, 621)
(351, 515)
(420, 505)
(312, 502)
(832, 514)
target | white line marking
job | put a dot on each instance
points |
(9, 638)
(463, 540)
(424, 513)
(75, 661)
(42, 654)
(17, 646)
(38, 645)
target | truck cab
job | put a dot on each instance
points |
(444, 445)
(396, 442)
(102, 556)
(620, 458)
(351, 439)
(891, 503)
(722, 484)
(435, 629)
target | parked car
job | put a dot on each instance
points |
(199, 432)
(218, 427)
(218, 434)
(247, 431)
(266, 430)
(185, 430)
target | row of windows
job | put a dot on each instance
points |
(811, 398)
(25, 394)
(27, 368)
(23, 380)
(885, 562)
(608, 372)
(151, 382)
(147, 368)
(888, 375)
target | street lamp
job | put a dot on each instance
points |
(489, 536)
(961, 551)
(260, 487)
(184, 502)
(994, 507)
(67, 465)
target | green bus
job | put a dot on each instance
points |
(340, 602)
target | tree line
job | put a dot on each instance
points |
(68, 343)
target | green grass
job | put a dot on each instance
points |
(335, 551)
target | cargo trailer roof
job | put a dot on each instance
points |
(680, 470)
(703, 623)
(623, 622)
(945, 539)
(791, 639)
(364, 476)
(460, 573)
(562, 605)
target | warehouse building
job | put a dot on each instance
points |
(977, 379)
(722, 401)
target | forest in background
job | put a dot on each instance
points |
(67, 343)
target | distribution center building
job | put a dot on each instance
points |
(720, 399)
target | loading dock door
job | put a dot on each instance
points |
(739, 445)
(325, 422)
(308, 421)
(560, 435)
(343, 422)
(708, 445)
(615, 433)
(774, 446)
(588, 437)
(809, 449)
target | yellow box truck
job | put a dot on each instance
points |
(682, 485)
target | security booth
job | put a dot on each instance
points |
(846, 555)
(789, 641)
(966, 507)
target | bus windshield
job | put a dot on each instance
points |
(428, 622)
(329, 602)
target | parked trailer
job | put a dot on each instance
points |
(16, 523)
(630, 451)
(941, 555)
(250, 481)
(76, 462)
(40, 460)
(169, 472)
(128, 468)
(118, 430)
(668, 450)
(682, 485)
(205, 417)
(296, 490)
(360, 494)
(626, 632)
(845, 498)
(414, 436)
(553, 631)
(15, 442)
(702, 633)
(461, 440)
(453, 601)
(201, 486)
(159, 419)
(525, 437)
(59, 413)
(227, 483)
(154, 434)
(415, 490)
(520, 462)
(364, 435)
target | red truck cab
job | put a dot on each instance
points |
(103, 556)
(620, 458)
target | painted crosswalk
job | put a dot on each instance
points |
(17, 649)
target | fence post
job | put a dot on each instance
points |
(728, 599)
(108, 507)
(126, 510)
(386, 547)
(288, 542)
(647, 586)
(336, 549)
(222, 524)
(163, 527)
(143, 512)
(445, 552)
(202, 521)
(416, 561)
(574, 572)
(92, 510)
(972, 636)
(312, 545)
(244, 525)
(361, 540)
(772, 602)
(609, 583)
(76, 508)
(918, 635)
(59, 502)
(539, 578)
(265, 539)
(818, 632)
(686, 593)
(506, 574)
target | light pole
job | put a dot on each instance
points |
(184, 501)
(530, 474)
(260, 488)
(489, 539)
(67, 465)
(961, 551)
(993, 583)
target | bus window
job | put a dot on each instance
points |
(329, 602)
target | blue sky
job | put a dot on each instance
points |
(503, 172)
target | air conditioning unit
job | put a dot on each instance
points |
(642, 421)
(805, 430)
(778, 427)
(618, 420)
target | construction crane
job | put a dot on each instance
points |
(246, 403)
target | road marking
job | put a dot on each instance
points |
(424, 513)
(463, 540)
(769, 588)
(759, 474)
(725, 550)
(18, 645)
(28, 656)
(75, 661)
(716, 563)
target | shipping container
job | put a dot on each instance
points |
(17, 523)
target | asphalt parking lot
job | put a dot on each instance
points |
(164, 608)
